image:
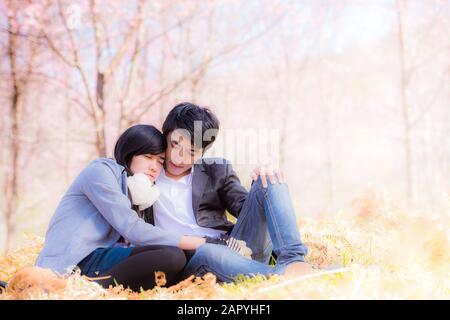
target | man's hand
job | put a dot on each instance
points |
(268, 171)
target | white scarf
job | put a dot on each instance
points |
(143, 191)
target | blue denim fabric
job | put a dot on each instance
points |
(267, 222)
(103, 259)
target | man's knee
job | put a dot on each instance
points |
(257, 184)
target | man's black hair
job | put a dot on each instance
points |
(183, 116)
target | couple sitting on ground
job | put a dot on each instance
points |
(160, 206)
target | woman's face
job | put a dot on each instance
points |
(149, 164)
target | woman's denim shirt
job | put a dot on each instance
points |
(94, 213)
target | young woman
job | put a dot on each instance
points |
(99, 225)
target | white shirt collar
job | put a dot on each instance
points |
(186, 180)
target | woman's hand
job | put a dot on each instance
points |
(239, 246)
(191, 242)
(267, 171)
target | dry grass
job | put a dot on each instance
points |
(382, 252)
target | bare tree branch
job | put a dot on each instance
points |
(135, 25)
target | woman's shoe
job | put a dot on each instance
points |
(3, 285)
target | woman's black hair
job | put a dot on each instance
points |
(136, 140)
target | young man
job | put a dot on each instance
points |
(196, 192)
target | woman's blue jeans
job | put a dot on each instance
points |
(266, 222)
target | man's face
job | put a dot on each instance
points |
(180, 154)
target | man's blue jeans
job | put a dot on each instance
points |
(266, 222)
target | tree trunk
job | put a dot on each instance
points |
(100, 134)
(100, 141)
(12, 180)
(406, 113)
(14, 147)
(329, 156)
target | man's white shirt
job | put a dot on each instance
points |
(173, 209)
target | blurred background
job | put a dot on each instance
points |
(356, 94)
